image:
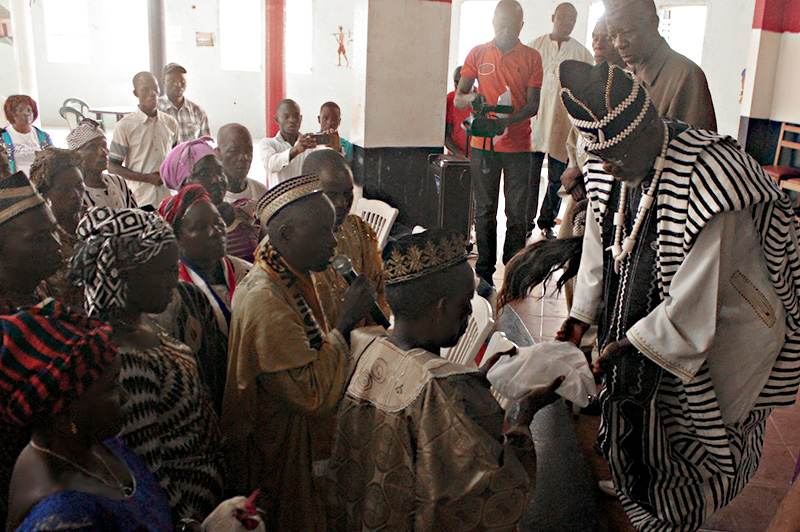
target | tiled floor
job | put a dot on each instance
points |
(749, 512)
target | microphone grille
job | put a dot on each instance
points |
(342, 264)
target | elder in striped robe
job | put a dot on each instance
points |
(690, 268)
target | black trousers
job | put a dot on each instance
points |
(486, 168)
(551, 203)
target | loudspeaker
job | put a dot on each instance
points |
(454, 187)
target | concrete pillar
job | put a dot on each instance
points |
(769, 97)
(157, 29)
(23, 48)
(400, 84)
(275, 68)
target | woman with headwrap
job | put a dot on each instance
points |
(56, 174)
(128, 266)
(200, 232)
(196, 163)
(59, 376)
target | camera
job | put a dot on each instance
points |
(321, 138)
(484, 123)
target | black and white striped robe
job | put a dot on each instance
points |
(691, 462)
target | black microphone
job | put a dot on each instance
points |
(344, 267)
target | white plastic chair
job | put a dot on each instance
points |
(498, 342)
(379, 215)
(478, 329)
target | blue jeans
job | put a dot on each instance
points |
(551, 203)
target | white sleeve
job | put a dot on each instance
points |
(277, 161)
(273, 157)
(679, 333)
(589, 283)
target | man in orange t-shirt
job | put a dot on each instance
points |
(455, 138)
(501, 66)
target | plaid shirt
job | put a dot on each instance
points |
(191, 118)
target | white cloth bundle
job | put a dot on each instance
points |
(538, 366)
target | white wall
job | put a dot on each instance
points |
(327, 82)
(239, 96)
(226, 96)
(725, 50)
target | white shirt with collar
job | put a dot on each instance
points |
(141, 143)
(275, 156)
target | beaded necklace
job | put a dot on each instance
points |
(620, 250)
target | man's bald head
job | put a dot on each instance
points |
(565, 7)
(303, 233)
(233, 133)
(337, 179)
(286, 103)
(507, 23)
(511, 7)
(143, 77)
(633, 30)
(235, 150)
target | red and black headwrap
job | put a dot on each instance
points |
(174, 208)
(49, 357)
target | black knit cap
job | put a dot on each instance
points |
(17, 196)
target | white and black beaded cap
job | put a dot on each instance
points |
(605, 103)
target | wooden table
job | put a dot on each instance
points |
(118, 111)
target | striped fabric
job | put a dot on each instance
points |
(170, 423)
(697, 464)
(49, 357)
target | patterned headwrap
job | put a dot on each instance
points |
(285, 193)
(48, 358)
(50, 162)
(114, 241)
(604, 102)
(415, 256)
(17, 196)
(178, 165)
(86, 131)
(174, 208)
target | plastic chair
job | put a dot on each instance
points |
(82, 107)
(478, 329)
(380, 216)
(72, 116)
(777, 171)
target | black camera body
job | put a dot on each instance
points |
(484, 123)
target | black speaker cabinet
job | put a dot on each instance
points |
(454, 187)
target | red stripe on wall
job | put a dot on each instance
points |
(274, 57)
(777, 15)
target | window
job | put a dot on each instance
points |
(299, 36)
(684, 28)
(240, 46)
(475, 26)
(66, 26)
(132, 36)
(596, 10)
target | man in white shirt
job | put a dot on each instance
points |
(551, 126)
(142, 140)
(235, 150)
(283, 155)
